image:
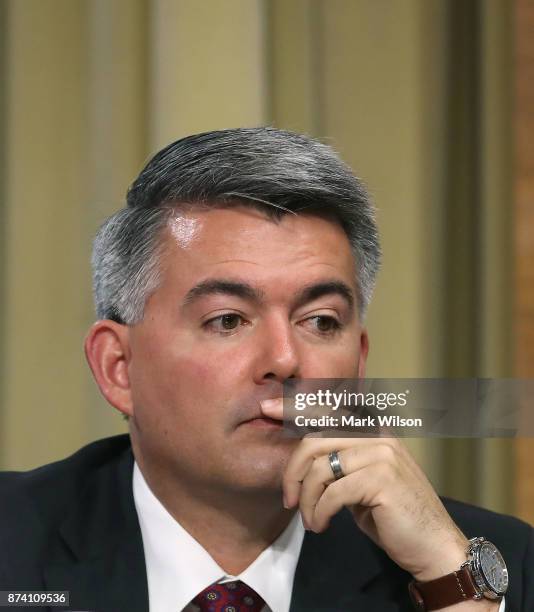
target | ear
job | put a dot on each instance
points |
(107, 349)
(364, 351)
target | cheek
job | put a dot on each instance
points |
(339, 361)
(216, 373)
(188, 374)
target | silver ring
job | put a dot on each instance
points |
(333, 457)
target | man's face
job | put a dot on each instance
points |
(245, 303)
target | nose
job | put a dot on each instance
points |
(277, 355)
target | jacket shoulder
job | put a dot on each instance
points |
(36, 497)
(475, 521)
(34, 506)
(88, 458)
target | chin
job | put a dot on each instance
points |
(261, 470)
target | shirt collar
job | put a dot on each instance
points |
(178, 567)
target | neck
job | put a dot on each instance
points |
(234, 533)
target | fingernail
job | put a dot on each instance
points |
(286, 505)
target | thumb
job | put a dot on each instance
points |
(273, 408)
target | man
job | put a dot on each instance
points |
(243, 258)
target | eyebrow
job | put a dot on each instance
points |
(248, 292)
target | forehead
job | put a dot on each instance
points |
(245, 240)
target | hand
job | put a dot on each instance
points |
(389, 496)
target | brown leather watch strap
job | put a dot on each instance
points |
(445, 591)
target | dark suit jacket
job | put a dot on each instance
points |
(72, 525)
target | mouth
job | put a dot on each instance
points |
(263, 422)
(265, 414)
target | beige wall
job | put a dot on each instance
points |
(92, 87)
(524, 246)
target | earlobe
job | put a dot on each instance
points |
(107, 351)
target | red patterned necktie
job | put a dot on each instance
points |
(229, 597)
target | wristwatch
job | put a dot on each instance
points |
(484, 574)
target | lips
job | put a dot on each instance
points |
(266, 412)
(266, 422)
(270, 415)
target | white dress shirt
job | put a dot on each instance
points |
(179, 568)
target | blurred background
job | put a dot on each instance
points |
(430, 101)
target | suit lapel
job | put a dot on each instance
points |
(343, 571)
(98, 555)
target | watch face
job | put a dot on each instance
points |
(493, 568)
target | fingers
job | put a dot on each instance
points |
(333, 499)
(273, 408)
(319, 481)
(389, 496)
(312, 448)
(301, 461)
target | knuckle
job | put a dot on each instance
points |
(388, 453)
(349, 453)
(333, 494)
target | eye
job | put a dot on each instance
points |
(225, 323)
(325, 325)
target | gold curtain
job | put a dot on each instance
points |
(415, 96)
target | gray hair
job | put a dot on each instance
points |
(277, 171)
